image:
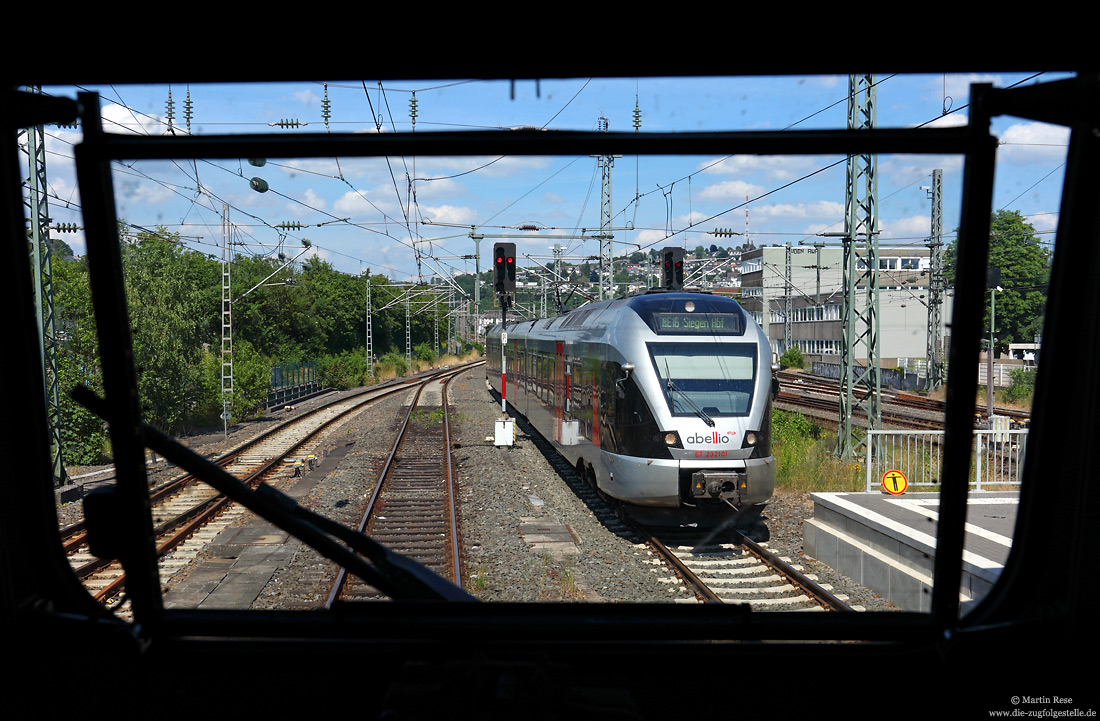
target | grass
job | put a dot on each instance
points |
(384, 371)
(557, 582)
(427, 418)
(805, 460)
(554, 580)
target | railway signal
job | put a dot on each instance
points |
(673, 268)
(504, 267)
(504, 283)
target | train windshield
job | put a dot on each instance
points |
(717, 379)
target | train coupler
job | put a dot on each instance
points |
(722, 485)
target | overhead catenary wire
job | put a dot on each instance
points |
(413, 229)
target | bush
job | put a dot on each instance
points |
(344, 371)
(251, 383)
(1023, 385)
(394, 363)
(792, 358)
(792, 427)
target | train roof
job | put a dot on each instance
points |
(651, 307)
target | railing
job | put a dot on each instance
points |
(291, 381)
(998, 458)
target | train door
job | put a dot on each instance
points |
(520, 362)
(596, 403)
(559, 388)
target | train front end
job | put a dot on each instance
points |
(703, 368)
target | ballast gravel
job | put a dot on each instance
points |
(532, 530)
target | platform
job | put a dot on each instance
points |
(888, 543)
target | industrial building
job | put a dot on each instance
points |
(806, 283)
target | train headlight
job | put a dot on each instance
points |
(671, 439)
(759, 441)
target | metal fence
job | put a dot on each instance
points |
(998, 458)
(291, 381)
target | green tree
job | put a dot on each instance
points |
(84, 437)
(167, 319)
(251, 383)
(274, 315)
(1024, 264)
(337, 303)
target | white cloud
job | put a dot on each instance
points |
(437, 189)
(692, 218)
(311, 199)
(307, 97)
(914, 226)
(117, 119)
(730, 191)
(953, 91)
(952, 120)
(457, 215)
(143, 195)
(1043, 222)
(773, 168)
(1023, 143)
(356, 204)
(823, 210)
(649, 236)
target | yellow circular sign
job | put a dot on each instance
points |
(894, 482)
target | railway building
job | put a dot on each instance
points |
(816, 298)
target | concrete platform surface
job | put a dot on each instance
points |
(888, 543)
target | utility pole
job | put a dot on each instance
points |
(408, 333)
(370, 335)
(935, 286)
(607, 265)
(818, 245)
(452, 324)
(557, 261)
(860, 324)
(788, 311)
(39, 213)
(477, 280)
(227, 322)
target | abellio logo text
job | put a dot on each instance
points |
(715, 437)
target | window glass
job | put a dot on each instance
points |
(718, 378)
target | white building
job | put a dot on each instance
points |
(816, 301)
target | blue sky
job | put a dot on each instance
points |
(359, 214)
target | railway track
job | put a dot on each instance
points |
(820, 396)
(188, 514)
(412, 510)
(729, 567)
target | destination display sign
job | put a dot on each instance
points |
(698, 323)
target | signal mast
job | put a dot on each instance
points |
(504, 285)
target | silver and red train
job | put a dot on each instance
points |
(663, 399)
